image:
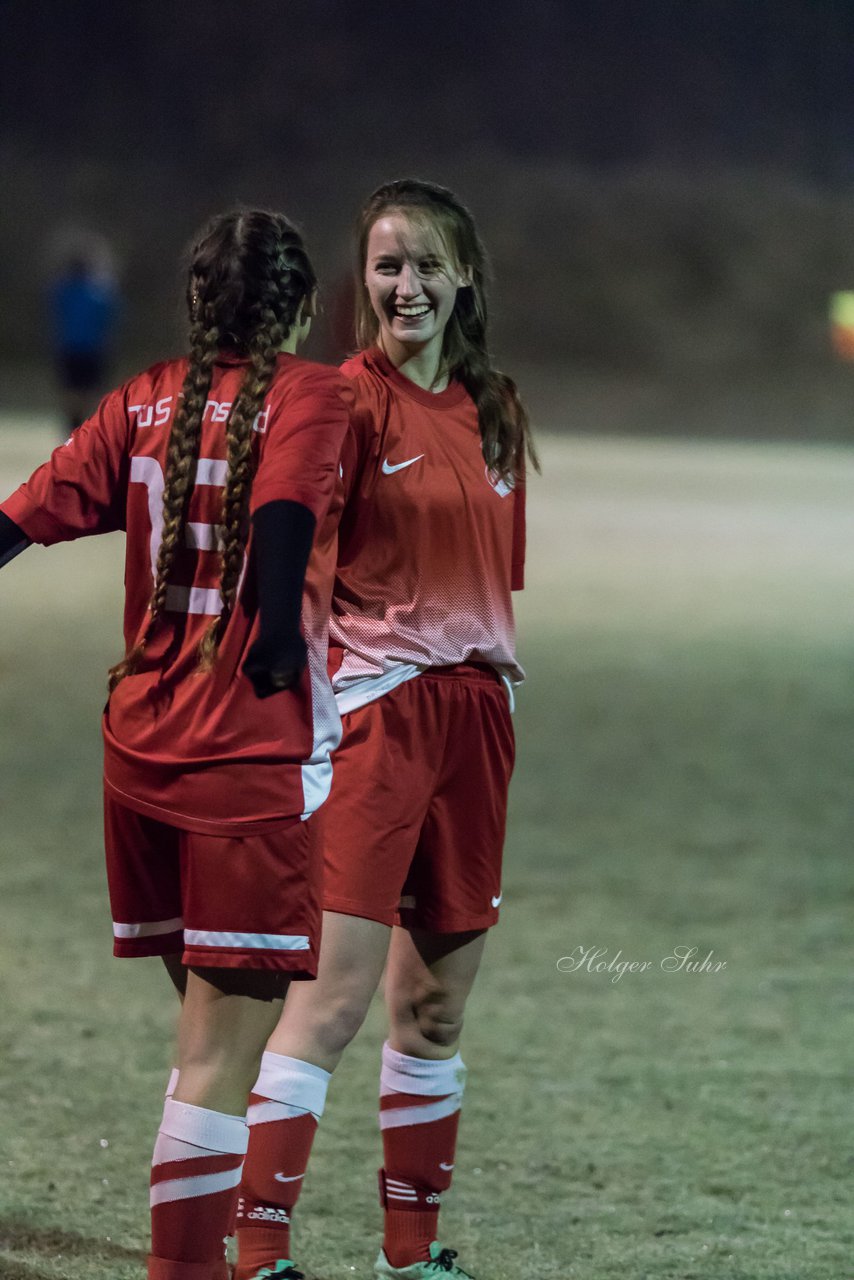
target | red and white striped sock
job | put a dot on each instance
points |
(284, 1108)
(420, 1102)
(195, 1174)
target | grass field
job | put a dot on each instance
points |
(684, 781)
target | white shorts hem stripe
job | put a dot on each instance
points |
(147, 928)
(247, 941)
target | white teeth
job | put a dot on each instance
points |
(412, 311)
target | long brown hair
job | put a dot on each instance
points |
(504, 426)
(248, 276)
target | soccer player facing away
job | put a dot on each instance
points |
(224, 470)
(422, 658)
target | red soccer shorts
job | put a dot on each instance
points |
(413, 831)
(227, 902)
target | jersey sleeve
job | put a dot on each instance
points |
(360, 444)
(368, 413)
(82, 488)
(306, 432)
(517, 567)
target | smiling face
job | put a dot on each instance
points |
(412, 282)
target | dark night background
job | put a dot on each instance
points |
(665, 190)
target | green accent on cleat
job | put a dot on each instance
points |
(441, 1264)
(282, 1269)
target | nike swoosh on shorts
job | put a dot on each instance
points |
(496, 902)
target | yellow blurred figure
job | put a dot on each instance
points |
(842, 324)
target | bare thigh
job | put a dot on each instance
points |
(226, 1017)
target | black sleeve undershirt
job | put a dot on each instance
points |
(12, 539)
(283, 532)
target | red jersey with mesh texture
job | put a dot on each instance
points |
(431, 542)
(201, 751)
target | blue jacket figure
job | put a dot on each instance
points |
(84, 306)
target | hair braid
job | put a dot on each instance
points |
(235, 503)
(181, 457)
(281, 295)
(249, 275)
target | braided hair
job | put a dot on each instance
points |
(504, 426)
(248, 277)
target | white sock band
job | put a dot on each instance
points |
(425, 1076)
(211, 1130)
(298, 1084)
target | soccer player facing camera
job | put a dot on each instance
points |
(223, 468)
(422, 658)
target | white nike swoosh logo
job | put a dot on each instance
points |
(446, 1167)
(389, 468)
(280, 1177)
(496, 902)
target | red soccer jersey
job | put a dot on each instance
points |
(431, 543)
(201, 751)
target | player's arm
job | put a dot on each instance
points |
(291, 495)
(82, 488)
(12, 539)
(282, 535)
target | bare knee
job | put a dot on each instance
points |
(338, 1021)
(439, 1027)
(321, 1018)
(317, 1024)
(430, 1020)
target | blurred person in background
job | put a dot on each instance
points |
(842, 324)
(422, 656)
(223, 469)
(84, 305)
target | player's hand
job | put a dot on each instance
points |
(274, 665)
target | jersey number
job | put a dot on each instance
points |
(199, 537)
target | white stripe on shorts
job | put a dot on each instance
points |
(147, 928)
(251, 941)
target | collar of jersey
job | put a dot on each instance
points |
(453, 394)
(233, 358)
